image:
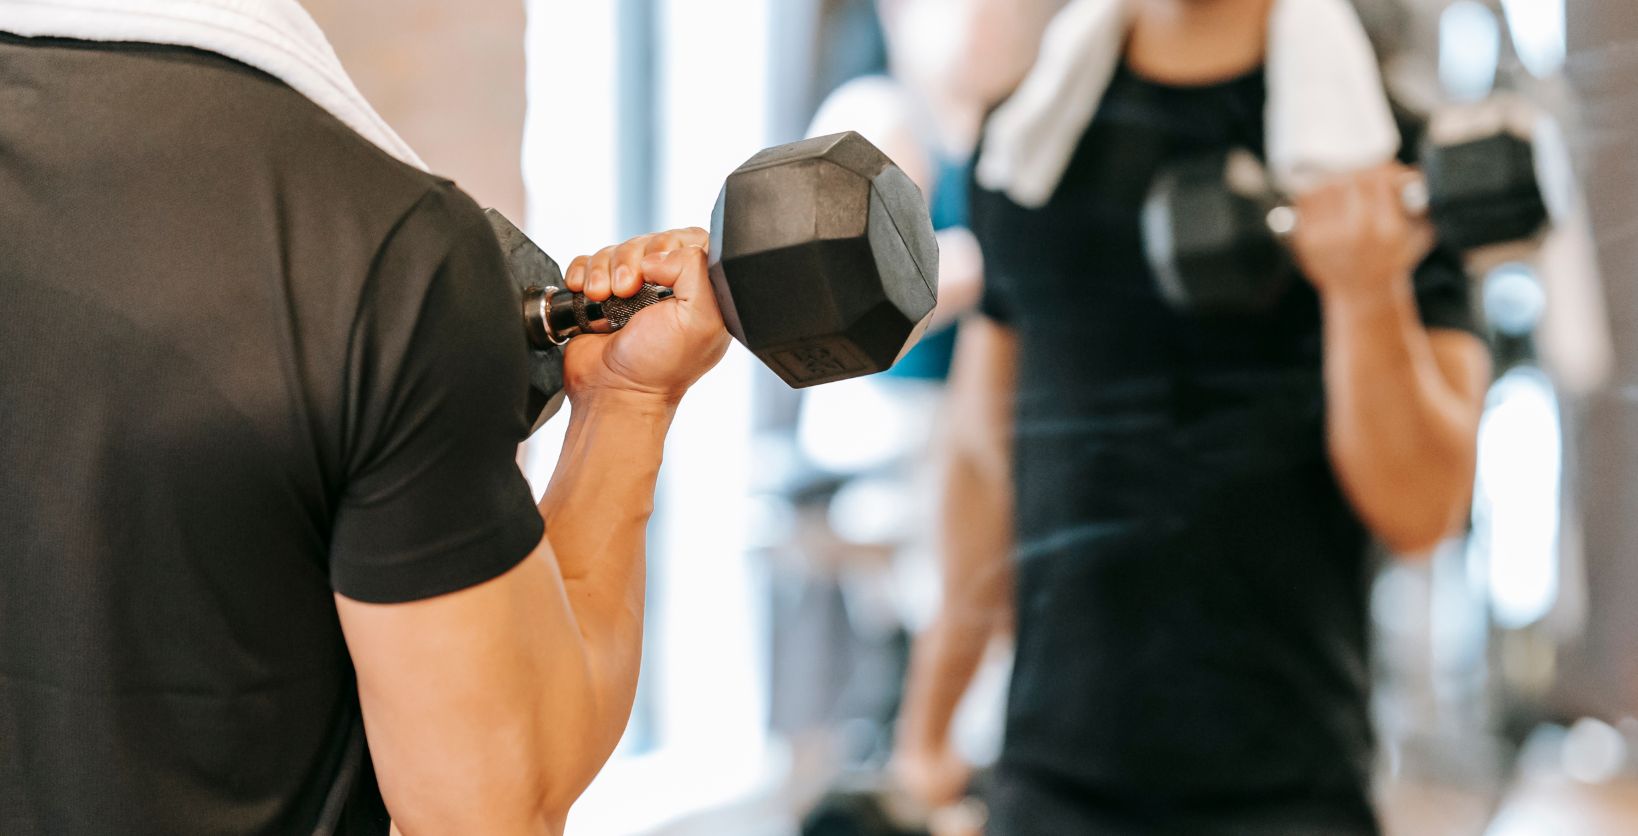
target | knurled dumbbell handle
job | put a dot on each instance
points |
(1282, 219)
(554, 315)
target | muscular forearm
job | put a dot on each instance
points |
(1401, 435)
(596, 510)
(942, 664)
(976, 605)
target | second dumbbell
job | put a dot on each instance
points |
(1214, 227)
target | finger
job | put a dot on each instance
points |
(575, 277)
(1388, 197)
(694, 280)
(1378, 205)
(1354, 205)
(1423, 238)
(683, 269)
(676, 239)
(597, 276)
(1316, 215)
(686, 271)
(1317, 207)
(1406, 183)
(625, 266)
(662, 268)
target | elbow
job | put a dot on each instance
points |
(1414, 540)
(576, 728)
(1413, 526)
(1414, 500)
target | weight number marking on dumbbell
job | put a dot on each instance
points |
(819, 363)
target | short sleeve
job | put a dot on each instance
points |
(433, 499)
(1444, 295)
(1444, 292)
(994, 300)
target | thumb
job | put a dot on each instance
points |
(686, 271)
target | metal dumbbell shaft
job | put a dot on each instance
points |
(554, 315)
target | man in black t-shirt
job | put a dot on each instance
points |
(1192, 496)
(261, 394)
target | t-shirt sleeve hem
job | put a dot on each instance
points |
(486, 555)
(1463, 324)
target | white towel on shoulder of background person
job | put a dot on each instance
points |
(1327, 110)
(277, 37)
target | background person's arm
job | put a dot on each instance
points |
(491, 708)
(976, 604)
(1402, 402)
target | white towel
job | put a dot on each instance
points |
(277, 37)
(1327, 112)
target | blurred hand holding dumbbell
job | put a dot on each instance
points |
(1356, 239)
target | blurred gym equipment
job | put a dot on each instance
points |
(1214, 227)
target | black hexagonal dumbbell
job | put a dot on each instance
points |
(1214, 228)
(822, 257)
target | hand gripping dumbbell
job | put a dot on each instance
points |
(1214, 228)
(822, 258)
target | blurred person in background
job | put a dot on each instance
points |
(923, 111)
(875, 434)
(1174, 511)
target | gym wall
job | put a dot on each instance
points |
(449, 77)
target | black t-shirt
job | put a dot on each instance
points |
(1191, 583)
(247, 360)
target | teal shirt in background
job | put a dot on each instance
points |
(930, 359)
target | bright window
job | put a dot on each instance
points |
(621, 132)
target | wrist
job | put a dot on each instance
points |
(1367, 297)
(914, 740)
(613, 400)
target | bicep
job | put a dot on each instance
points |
(449, 597)
(455, 691)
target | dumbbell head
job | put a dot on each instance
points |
(1484, 191)
(823, 259)
(1206, 237)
